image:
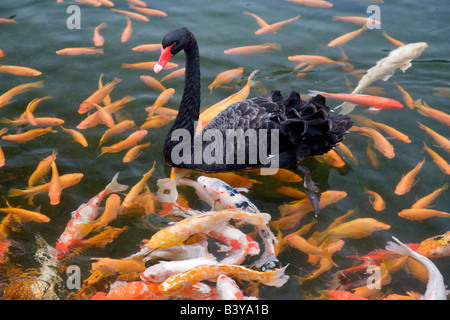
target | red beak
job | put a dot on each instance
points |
(163, 59)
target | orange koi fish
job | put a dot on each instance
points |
(42, 169)
(55, 187)
(77, 136)
(273, 28)
(392, 40)
(117, 129)
(8, 95)
(132, 140)
(376, 200)
(85, 214)
(410, 295)
(260, 21)
(97, 96)
(422, 214)
(19, 71)
(332, 158)
(152, 82)
(356, 20)
(7, 21)
(79, 51)
(425, 202)
(441, 141)
(104, 116)
(182, 280)
(442, 92)
(380, 142)
(291, 192)
(138, 187)
(28, 114)
(407, 181)
(150, 12)
(27, 135)
(67, 181)
(357, 228)
(162, 99)
(362, 100)
(425, 110)
(407, 99)
(342, 148)
(41, 121)
(180, 231)
(148, 65)
(137, 2)
(26, 215)
(372, 156)
(301, 244)
(435, 247)
(135, 290)
(346, 37)
(310, 61)
(233, 179)
(97, 37)
(225, 77)
(156, 122)
(441, 163)
(111, 266)
(392, 132)
(208, 114)
(174, 74)
(147, 47)
(247, 50)
(133, 15)
(344, 295)
(313, 3)
(127, 32)
(134, 152)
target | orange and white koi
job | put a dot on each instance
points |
(407, 181)
(441, 141)
(356, 20)
(380, 142)
(435, 287)
(97, 96)
(422, 214)
(425, 201)
(362, 100)
(85, 214)
(207, 272)
(347, 37)
(258, 48)
(132, 140)
(435, 247)
(6, 97)
(19, 71)
(135, 290)
(225, 77)
(227, 289)
(152, 82)
(274, 27)
(133, 15)
(79, 51)
(27, 135)
(376, 200)
(424, 109)
(76, 136)
(441, 163)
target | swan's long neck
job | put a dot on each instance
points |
(189, 110)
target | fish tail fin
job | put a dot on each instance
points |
(275, 46)
(16, 192)
(114, 186)
(6, 120)
(346, 66)
(398, 247)
(101, 25)
(346, 107)
(104, 150)
(278, 278)
(251, 82)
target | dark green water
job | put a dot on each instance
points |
(220, 25)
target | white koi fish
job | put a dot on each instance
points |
(227, 289)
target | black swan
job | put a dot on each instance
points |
(304, 128)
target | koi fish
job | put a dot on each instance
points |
(6, 97)
(435, 287)
(97, 96)
(344, 295)
(376, 200)
(225, 77)
(152, 82)
(147, 47)
(19, 71)
(41, 170)
(138, 187)
(247, 50)
(127, 32)
(332, 158)
(310, 61)
(347, 37)
(132, 140)
(291, 192)
(116, 129)
(134, 152)
(341, 147)
(132, 15)
(441, 163)
(159, 272)
(97, 37)
(41, 121)
(428, 199)
(156, 121)
(380, 142)
(362, 100)
(357, 228)
(7, 21)
(357, 20)
(79, 51)
(180, 231)
(422, 214)
(174, 74)
(148, 65)
(407, 181)
(313, 3)
(108, 265)
(301, 244)
(206, 272)
(392, 132)
(135, 290)
(76, 228)
(28, 114)
(150, 12)
(55, 187)
(274, 27)
(227, 289)
(25, 215)
(425, 110)
(435, 247)
(385, 68)
(112, 209)
(76, 136)
(27, 135)
(208, 114)
(161, 100)
(441, 141)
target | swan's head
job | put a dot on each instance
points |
(173, 42)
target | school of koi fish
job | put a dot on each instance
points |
(205, 236)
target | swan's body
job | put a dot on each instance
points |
(304, 128)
